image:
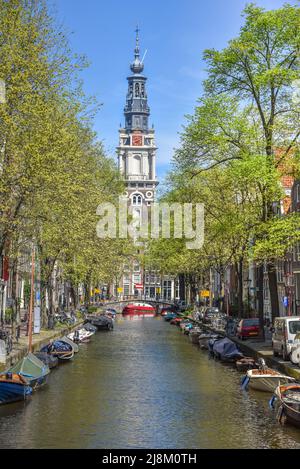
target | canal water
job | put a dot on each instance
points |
(143, 386)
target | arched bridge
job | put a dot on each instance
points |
(122, 303)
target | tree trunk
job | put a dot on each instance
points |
(272, 276)
(14, 297)
(74, 297)
(260, 296)
(239, 269)
(181, 287)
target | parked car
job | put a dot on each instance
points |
(210, 313)
(248, 328)
(181, 305)
(284, 333)
(168, 309)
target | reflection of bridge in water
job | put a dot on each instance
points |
(120, 304)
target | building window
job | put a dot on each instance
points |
(137, 278)
(137, 90)
(137, 200)
(298, 193)
(266, 289)
(280, 271)
(136, 268)
(126, 289)
(137, 165)
(167, 290)
(297, 252)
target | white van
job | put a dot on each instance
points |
(284, 332)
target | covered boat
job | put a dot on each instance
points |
(70, 342)
(142, 309)
(266, 379)
(288, 398)
(89, 327)
(169, 316)
(13, 388)
(204, 339)
(195, 334)
(32, 369)
(50, 360)
(226, 350)
(103, 323)
(59, 349)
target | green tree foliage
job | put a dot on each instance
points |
(53, 171)
(240, 141)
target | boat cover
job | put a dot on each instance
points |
(30, 367)
(226, 349)
(70, 342)
(89, 327)
(49, 360)
(57, 346)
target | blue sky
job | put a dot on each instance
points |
(175, 32)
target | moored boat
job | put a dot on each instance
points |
(13, 388)
(288, 398)
(194, 335)
(204, 339)
(69, 341)
(50, 360)
(59, 349)
(101, 322)
(266, 380)
(89, 327)
(32, 369)
(246, 363)
(225, 350)
(142, 309)
(80, 336)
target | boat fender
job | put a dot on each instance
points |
(272, 402)
(281, 415)
(245, 382)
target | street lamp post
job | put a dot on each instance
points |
(288, 291)
(248, 283)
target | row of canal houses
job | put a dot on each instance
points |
(287, 271)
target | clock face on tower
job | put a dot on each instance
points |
(137, 140)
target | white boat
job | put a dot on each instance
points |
(81, 335)
(266, 380)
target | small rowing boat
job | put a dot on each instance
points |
(266, 380)
(13, 388)
(288, 398)
(32, 369)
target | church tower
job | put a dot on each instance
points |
(137, 150)
(137, 165)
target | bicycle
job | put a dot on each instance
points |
(4, 335)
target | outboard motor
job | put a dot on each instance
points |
(262, 364)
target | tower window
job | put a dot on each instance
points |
(137, 90)
(137, 200)
(137, 165)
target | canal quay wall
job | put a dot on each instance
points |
(259, 349)
(21, 348)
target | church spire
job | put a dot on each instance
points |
(136, 109)
(137, 66)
